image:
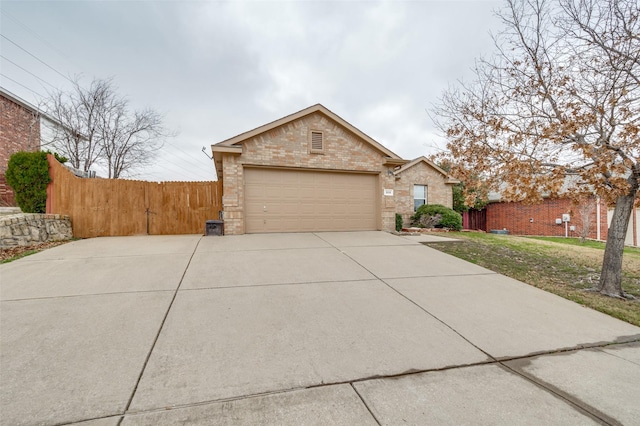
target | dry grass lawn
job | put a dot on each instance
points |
(559, 266)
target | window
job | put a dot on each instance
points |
(419, 196)
(316, 141)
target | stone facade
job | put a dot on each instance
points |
(19, 131)
(439, 187)
(31, 228)
(286, 144)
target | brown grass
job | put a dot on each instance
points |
(566, 270)
(13, 253)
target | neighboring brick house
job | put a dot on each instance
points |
(19, 131)
(313, 171)
(541, 218)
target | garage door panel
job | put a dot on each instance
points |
(297, 201)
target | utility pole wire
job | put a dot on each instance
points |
(22, 85)
(38, 36)
(35, 57)
(26, 70)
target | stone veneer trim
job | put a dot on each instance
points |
(285, 144)
(32, 228)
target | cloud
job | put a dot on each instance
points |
(217, 69)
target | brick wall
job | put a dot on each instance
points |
(421, 174)
(540, 219)
(19, 131)
(288, 146)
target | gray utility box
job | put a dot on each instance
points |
(214, 227)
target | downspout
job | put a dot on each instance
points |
(598, 235)
(634, 212)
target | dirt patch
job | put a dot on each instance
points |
(12, 253)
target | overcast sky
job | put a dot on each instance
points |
(216, 69)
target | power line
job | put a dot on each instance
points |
(175, 167)
(38, 36)
(169, 164)
(186, 173)
(20, 84)
(35, 57)
(27, 71)
(198, 159)
(190, 160)
(201, 168)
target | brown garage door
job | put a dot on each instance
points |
(305, 201)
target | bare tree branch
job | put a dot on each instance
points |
(560, 97)
(98, 128)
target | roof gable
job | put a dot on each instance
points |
(431, 164)
(232, 144)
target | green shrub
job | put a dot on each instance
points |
(444, 217)
(61, 159)
(28, 175)
(398, 222)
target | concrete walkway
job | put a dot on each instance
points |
(288, 329)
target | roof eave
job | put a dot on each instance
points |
(218, 152)
(234, 141)
(394, 162)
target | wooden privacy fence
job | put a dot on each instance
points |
(110, 207)
(475, 219)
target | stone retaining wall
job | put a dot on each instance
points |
(30, 228)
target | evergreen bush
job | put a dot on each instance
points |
(448, 217)
(398, 222)
(28, 175)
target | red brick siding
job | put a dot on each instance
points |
(516, 218)
(19, 131)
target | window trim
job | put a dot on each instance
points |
(313, 150)
(426, 195)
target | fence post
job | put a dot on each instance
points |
(50, 189)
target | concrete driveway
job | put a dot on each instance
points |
(289, 329)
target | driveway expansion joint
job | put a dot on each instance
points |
(572, 400)
(583, 346)
(301, 283)
(422, 308)
(69, 296)
(566, 398)
(141, 392)
(619, 357)
(364, 402)
(155, 340)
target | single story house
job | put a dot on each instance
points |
(313, 171)
(546, 219)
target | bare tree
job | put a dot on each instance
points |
(78, 112)
(560, 98)
(586, 207)
(129, 140)
(98, 128)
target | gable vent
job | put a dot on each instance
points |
(316, 141)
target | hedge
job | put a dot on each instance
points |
(448, 217)
(28, 175)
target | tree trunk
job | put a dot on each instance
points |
(611, 277)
